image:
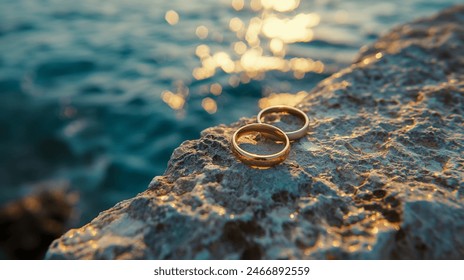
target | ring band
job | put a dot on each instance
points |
(292, 135)
(268, 131)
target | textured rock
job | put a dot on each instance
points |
(379, 175)
(28, 225)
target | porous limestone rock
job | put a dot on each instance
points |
(379, 175)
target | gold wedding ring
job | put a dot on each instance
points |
(268, 131)
(292, 135)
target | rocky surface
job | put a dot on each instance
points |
(29, 224)
(379, 175)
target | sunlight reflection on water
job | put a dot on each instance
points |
(260, 47)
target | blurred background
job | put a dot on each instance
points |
(95, 95)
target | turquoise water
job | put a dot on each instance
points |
(87, 88)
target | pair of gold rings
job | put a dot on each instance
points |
(270, 132)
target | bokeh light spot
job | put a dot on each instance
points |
(209, 105)
(202, 32)
(172, 17)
